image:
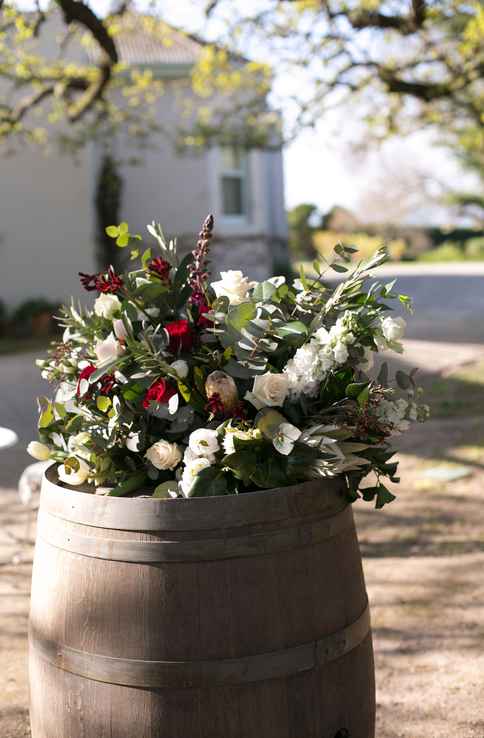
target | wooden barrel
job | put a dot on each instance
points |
(221, 617)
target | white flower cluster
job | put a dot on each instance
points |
(399, 413)
(232, 433)
(325, 351)
(200, 454)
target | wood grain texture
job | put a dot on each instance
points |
(277, 571)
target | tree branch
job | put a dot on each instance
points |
(76, 11)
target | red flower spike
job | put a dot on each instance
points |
(88, 281)
(110, 282)
(160, 392)
(202, 321)
(180, 336)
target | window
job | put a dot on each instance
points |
(233, 181)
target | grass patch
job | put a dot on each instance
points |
(10, 346)
(458, 394)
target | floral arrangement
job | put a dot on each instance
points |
(173, 385)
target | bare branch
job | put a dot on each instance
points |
(76, 11)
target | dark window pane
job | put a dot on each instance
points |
(233, 196)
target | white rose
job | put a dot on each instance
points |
(39, 451)
(393, 328)
(204, 442)
(181, 368)
(132, 442)
(192, 469)
(232, 285)
(164, 455)
(108, 349)
(106, 306)
(119, 329)
(70, 476)
(269, 390)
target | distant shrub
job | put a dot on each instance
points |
(33, 317)
(474, 248)
(448, 251)
(325, 241)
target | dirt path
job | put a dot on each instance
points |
(423, 557)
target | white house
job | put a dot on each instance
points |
(47, 215)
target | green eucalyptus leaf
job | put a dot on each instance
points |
(162, 491)
(239, 316)
(403, 380)
(46, 417)
(103, 403)
(263, 291)
(294, 331)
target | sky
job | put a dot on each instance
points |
(319, 165)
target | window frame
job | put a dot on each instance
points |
(242, 174)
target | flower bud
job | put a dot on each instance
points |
(219, 383)
(39, 451)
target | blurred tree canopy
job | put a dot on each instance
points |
(395, 65)
(62, 76)
(401, 65)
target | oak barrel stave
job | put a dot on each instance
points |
(239, 607)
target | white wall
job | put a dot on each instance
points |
(45, 225)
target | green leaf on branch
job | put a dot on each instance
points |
(383, 497)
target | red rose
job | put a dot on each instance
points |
(85, 374)
(160, 268)
(202, 321)
(180, 335)
(159, 392)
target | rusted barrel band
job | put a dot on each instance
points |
(211, 549)
(193, 674)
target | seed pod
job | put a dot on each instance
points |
(219, 383)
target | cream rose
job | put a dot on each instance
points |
(38, 451)
(106, 306)
(269, 390)
(164, 455)
(232, 285)
(181, 368)
(108, 349)
(73, 476)
(393, 328)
